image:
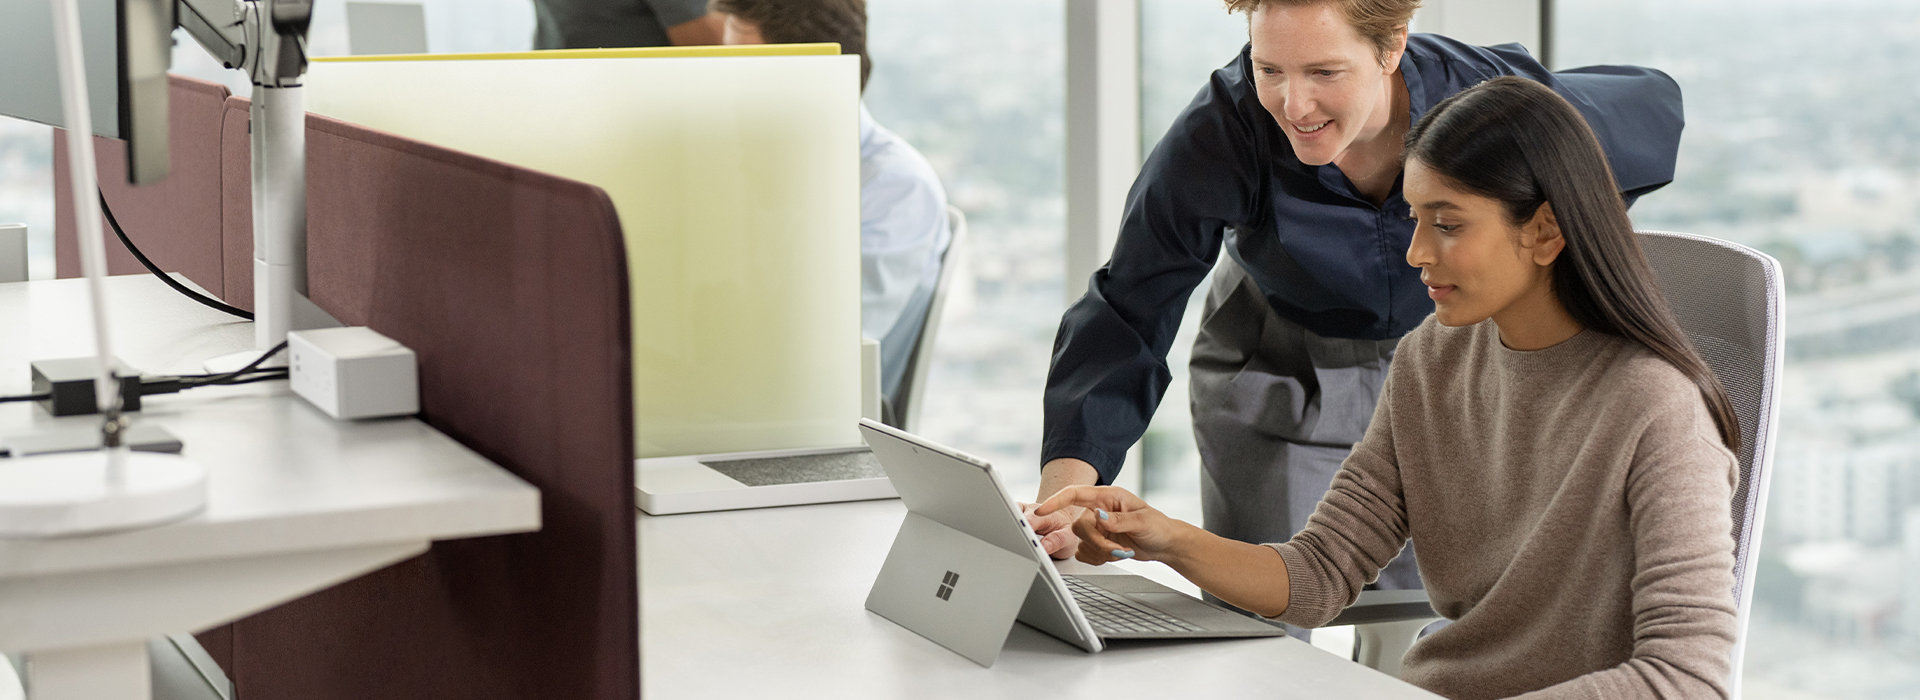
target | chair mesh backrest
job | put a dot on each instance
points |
(1728, 298)
(907, 402)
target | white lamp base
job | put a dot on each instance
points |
(77, 493)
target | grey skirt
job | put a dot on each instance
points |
(1276, 409)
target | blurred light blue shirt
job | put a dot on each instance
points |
(903, 232)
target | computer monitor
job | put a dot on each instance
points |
(126, 47)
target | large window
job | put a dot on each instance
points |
(1182, 43)
(26, 188)
(978, 87)
(1801, 141)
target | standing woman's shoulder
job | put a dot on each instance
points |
(1229, 103)
(1636, 112)
(1212, 152)
(1449, 65)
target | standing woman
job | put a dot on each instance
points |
(1291, 156)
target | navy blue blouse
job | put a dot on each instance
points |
(1325, 256)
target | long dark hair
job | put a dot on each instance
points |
(1516, 141)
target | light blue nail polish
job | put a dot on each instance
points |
(1101, 513)
(1122, 554)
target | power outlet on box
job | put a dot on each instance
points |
(353, 372)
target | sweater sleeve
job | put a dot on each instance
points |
(1359, 526)
(1680, 495)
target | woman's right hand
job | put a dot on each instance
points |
(1121, 527)
(1056, 531)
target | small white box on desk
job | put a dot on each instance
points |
(13, 252)
(353, 372)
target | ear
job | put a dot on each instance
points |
(1391, 61)
(1543, 236)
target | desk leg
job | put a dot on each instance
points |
(117, 670)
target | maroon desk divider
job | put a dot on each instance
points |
(175, 222)
(511, 286)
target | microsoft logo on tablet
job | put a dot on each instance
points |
(946, 586)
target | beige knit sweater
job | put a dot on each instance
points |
(1572, 510)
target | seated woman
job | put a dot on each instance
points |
(1548, 437)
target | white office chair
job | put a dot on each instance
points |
(1728, 298)
(902, 410)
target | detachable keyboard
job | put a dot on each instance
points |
(801, 468)
(1110, 613)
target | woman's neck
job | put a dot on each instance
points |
(1538, 323)
(1372, 163)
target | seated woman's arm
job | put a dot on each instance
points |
(1680, 491)
(1359, 526)
(1249, 576)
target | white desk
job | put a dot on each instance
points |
(770, 603)
(296, 501)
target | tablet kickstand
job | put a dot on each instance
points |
(960, 592)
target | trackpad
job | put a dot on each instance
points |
(1182, 605)
(1207, 615)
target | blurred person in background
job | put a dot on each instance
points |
(903, 209)
(599, 24)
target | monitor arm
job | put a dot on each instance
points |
(275, 29)
(268, 40)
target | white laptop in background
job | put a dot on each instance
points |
(386, 28)
(965, 566)
(699, 483)
(764, 479)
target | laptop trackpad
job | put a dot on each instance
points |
(1170, 602)
(1182, 606)
(1213, 618)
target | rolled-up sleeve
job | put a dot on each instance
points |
(1109, 368)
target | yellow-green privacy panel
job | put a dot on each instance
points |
(737, 179)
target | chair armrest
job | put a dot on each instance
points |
(1385, 626)
(1386, 606)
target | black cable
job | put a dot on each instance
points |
(268, 377)
(274, 373)
(29, 397)
(230, 378)
(164, 277)
(262, 359)
(151, 386)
